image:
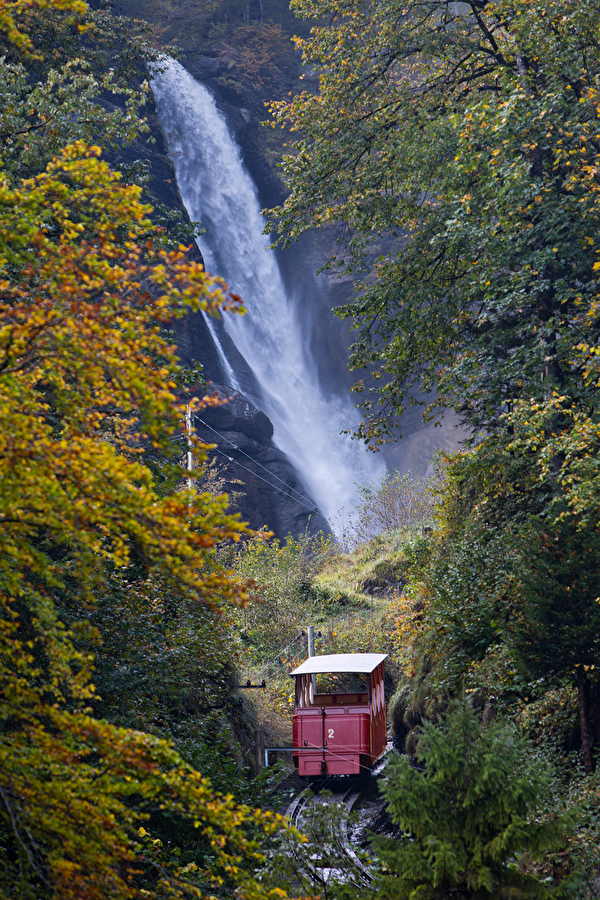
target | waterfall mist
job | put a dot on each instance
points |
(220, 195)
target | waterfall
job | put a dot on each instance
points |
(220, 195)
(227, 368)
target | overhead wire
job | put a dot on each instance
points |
(267, 666)
(251, 458)
(298, 499)
(274, 486)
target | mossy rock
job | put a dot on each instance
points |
(384, 576)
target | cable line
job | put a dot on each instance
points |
(274, 486)
(251, 458)
(267, 666)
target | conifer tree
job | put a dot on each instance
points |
(467, 811)
(556, 631)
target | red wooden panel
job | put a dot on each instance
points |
(309, 728)
(309, 765)
(347, 740)
(348, 765)
(347, 731)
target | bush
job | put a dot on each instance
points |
(396, 502)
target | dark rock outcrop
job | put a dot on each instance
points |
(264, 484)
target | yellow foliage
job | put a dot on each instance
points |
(88, 482)
(10, 10)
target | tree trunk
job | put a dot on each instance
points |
(596, 884)
(588, 762)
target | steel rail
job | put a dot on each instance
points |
(299, 809)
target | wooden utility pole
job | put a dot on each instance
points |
(190, 458)
(259, 748)
(311, 652)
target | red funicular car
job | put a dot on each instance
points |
(339, 732)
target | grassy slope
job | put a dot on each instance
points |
(353, 600)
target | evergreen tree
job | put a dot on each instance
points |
(556, 631)
(467, 811)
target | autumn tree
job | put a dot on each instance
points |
(86, 386)
(89, 481)
(57, 91)
(82, 80)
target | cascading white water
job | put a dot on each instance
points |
(219, 193)
(230, 374)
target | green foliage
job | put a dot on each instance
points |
(468, 587)
(561, 438)
(279, 576)
(85, 390)
(168, 667)
(583, 796)
(85, 83)
(456, 144)
(557, 627)
(468, 811)
(13, 31)
(469, 131)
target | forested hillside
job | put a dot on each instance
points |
(455, 146)
(473, 130)
(470, 131)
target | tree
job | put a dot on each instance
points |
(81, 78)
(556, 630)
(169, 667)
(398, 500)
(89, 481)
(469, 132)
(457, 143)
(86, 393)
(63, 96)
(466, 811)
(11, 10)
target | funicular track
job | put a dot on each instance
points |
(346, 865)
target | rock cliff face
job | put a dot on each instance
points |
(265, 486)
(243, 52)
(271, 492)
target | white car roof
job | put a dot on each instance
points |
(340, 662)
